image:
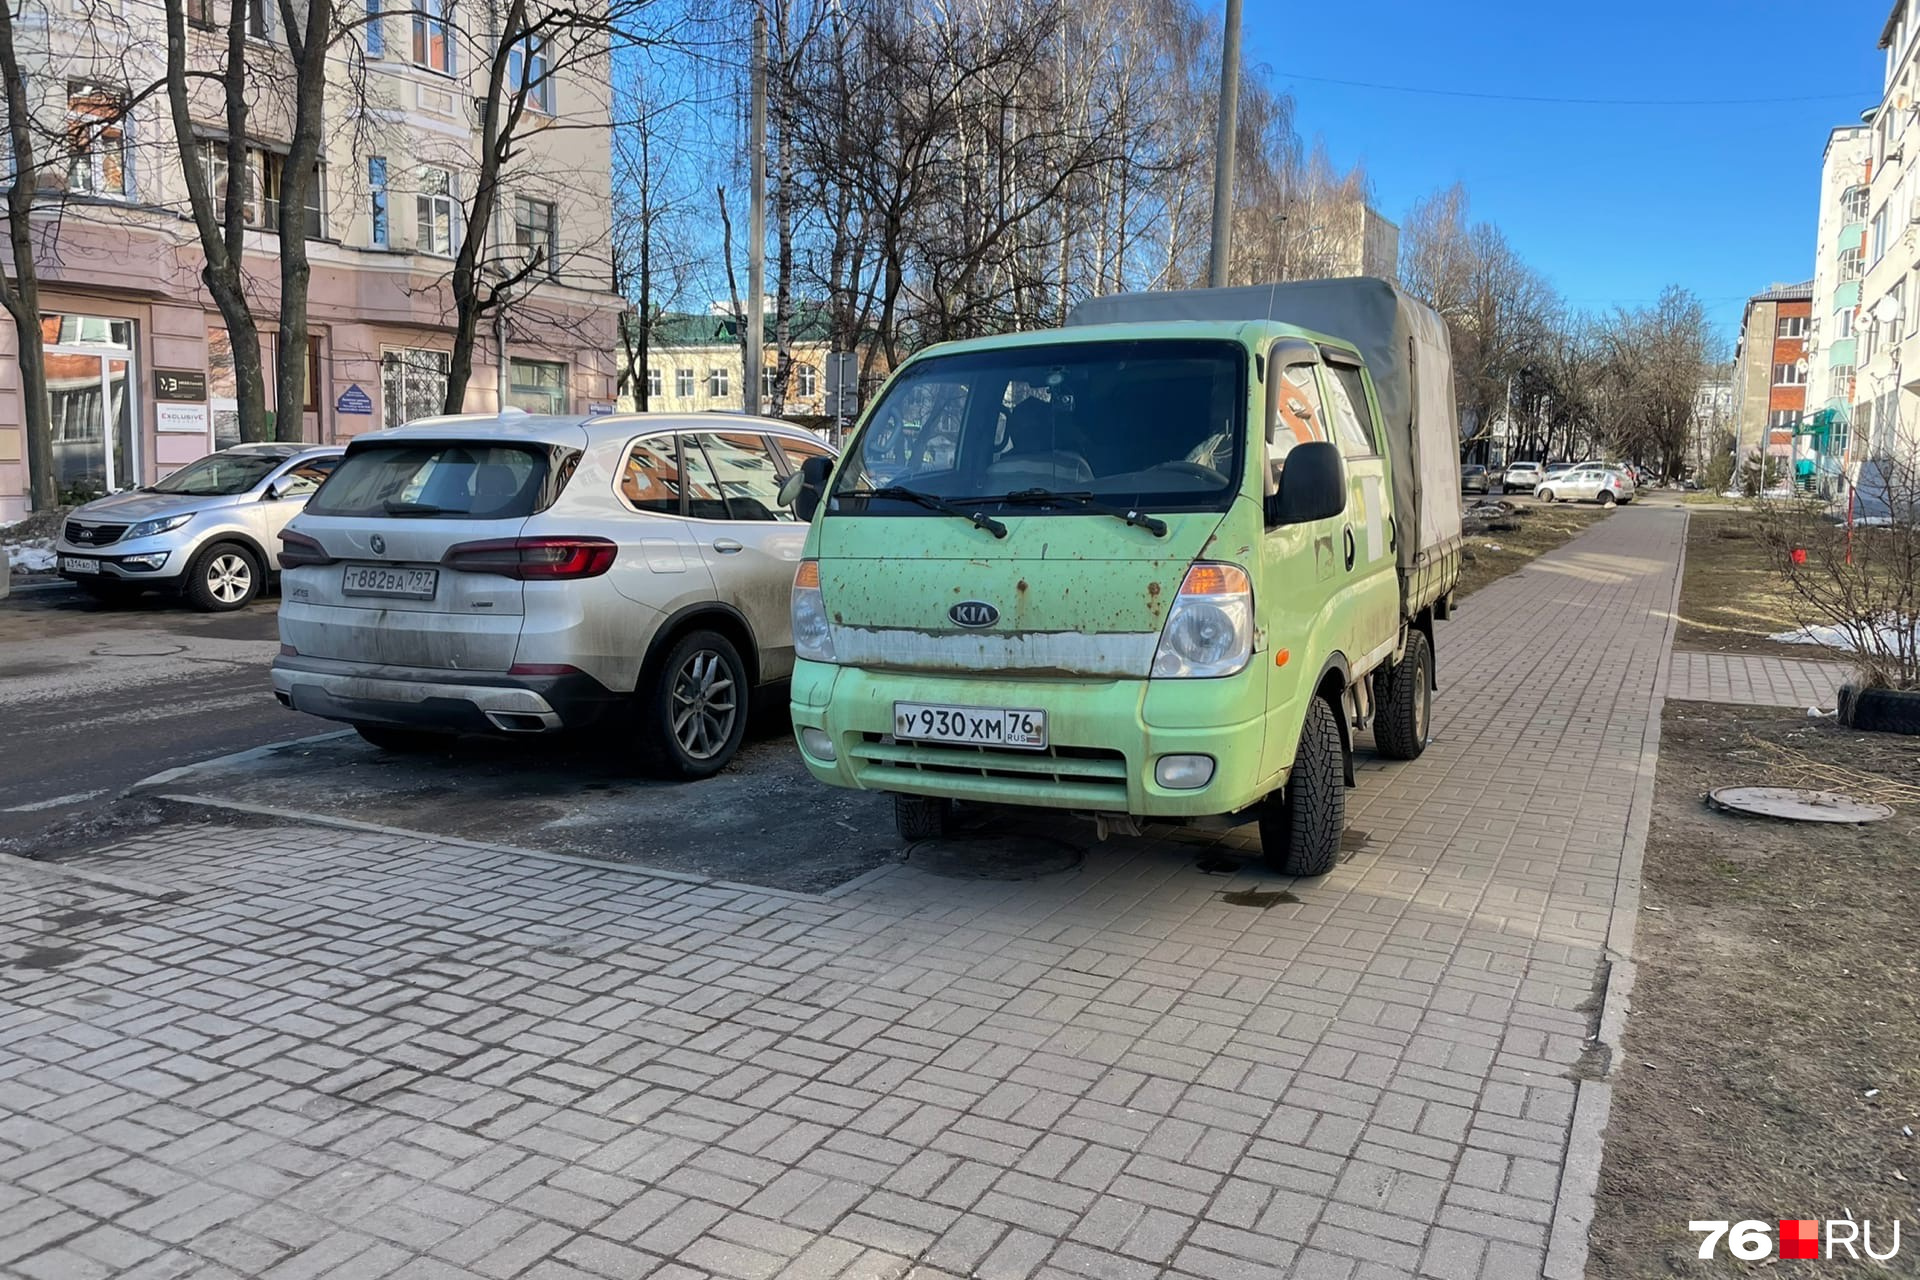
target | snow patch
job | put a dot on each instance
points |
(1890, 636)
(31, 557)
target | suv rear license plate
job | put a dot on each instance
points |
(381, 580)
(970, 726)
(78, 564)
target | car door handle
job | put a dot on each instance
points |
(1350, 547)
(726, 546)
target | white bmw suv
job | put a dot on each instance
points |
(519, 574)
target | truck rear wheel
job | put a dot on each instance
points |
(1403, 725)
(921, 817)
(1300, 827)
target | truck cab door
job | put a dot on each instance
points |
(1368, 538)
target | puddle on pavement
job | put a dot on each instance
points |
(1261, 898)
(44, 958)
(80, 917)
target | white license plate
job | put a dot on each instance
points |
(78, 564)
(384, 580)
(973, 726)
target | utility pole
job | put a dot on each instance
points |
(1223, 139)
(757, 220)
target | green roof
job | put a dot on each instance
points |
(810, 320)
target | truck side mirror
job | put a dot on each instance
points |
(802, 490)
(1313, 485)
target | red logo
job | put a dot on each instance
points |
(1799, 1238)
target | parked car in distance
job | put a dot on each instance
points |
(1473, 478)
(520, 574)
(1588, 481)
(210, 530)
(1555, 468)
(1520, 477)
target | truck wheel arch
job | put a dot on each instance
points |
(1332, 685)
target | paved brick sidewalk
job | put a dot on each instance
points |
(331, 1053)
(1755, 680)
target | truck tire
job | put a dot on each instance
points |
(1403, 725)
(921, 817)
(1300, 826)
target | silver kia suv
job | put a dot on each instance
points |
(519, 574)
(210, 530)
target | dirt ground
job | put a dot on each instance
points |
(1734, 597)
(1778, 984)
(1536, 528)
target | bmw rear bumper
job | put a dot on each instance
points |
(454, 701)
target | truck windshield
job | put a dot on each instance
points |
(1152, 424)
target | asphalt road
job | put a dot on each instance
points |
(95, 697)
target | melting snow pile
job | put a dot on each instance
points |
(1891, 635)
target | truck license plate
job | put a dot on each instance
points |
(79, 564)
(383, 580)
(1025, 730)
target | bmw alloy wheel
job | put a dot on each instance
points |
(705, 705)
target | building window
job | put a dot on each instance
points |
(377, 198)
(1853, 205)
(1882, 221)
(1789, 375)
(413, 384)
(767, 379)
(431, 48)
(1791, 327)
(260, 19)
(807, 380)
(653, 383)
(434, 212)
(527, 70)
(265, 173)
(1853, 264)
(96, 140)
(717, 383)
(683, 383)
(200, 14)
(1843, 324)
(538, 386)
(1784, 420)
(535, 229)
(1840, 382)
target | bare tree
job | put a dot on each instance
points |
(20, 291)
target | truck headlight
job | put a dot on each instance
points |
(165, 524)
(812, 631)
(1209, 629)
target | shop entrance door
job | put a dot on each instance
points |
(91, 393)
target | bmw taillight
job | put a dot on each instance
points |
(297, 551)
(534, 559)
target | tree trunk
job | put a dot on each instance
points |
(222, 238)
(21, 294)
(309, 52)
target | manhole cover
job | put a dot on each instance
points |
(1796, 804)
(989, 858)
(151, 649)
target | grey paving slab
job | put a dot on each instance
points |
(1756, 680)
(331, 1052)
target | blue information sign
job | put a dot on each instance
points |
(353, 400)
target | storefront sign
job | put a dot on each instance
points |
(353, 400)
(183, 418)
(187, 386)
(595, 408)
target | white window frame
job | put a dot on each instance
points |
(685, 384)
(95, 153)
(530, 65)
(719, 383)
(654, 381)
(427, 207)
(808, 381)
(427, 16)
(409, 367)
(524, 229)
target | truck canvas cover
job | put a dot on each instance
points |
(1404, 343)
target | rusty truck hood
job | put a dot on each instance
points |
(1065, 593)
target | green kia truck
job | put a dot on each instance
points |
(1159, 565)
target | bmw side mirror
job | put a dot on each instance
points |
(803, 489)
(1313, 485)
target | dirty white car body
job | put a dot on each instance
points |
(521, 574)
(1588, 482)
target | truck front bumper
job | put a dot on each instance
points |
(1105, 740)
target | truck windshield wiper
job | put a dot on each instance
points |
(898, 493)
(1086, 501)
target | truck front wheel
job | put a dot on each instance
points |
(921, 817)
(1404, 723)
(1300, 826)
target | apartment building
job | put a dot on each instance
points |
(1887, 323)
(1839, 264)
(696, 363)
(140, 364)
(1771, 369)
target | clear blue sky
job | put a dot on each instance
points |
(1610, 202)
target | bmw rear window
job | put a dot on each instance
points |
(444, 480)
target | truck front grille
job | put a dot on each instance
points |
(1092, 776)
